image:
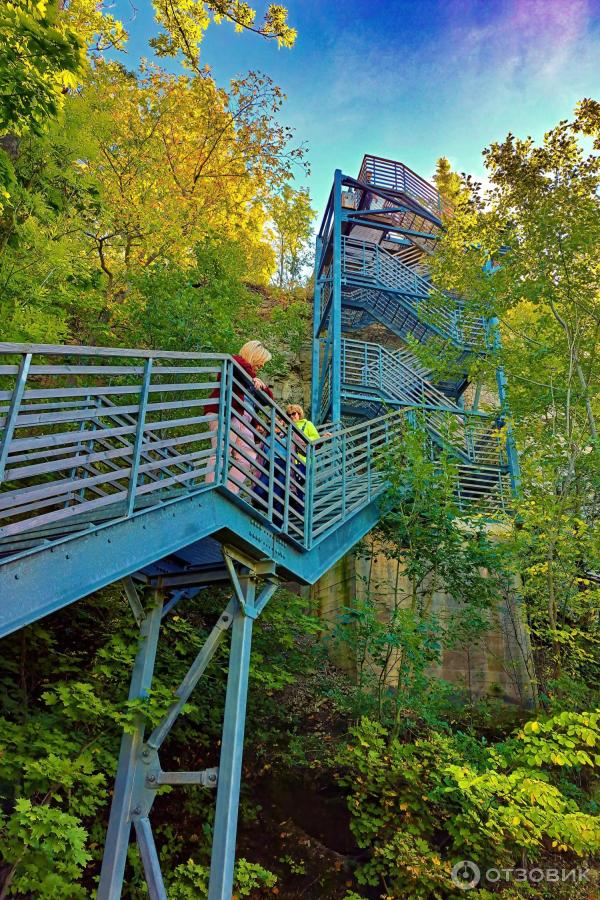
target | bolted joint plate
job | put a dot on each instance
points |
(154, 777)
(207, 778)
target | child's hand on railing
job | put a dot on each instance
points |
(259, 384)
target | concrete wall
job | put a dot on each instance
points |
(498, 665)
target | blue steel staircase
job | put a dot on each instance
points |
(372, 283)
(169, 472)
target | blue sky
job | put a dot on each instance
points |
(412, 80)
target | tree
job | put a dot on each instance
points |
(525, 253)
(184, 22)
(449, 183)
(174, 156)
(40, 57)
(170, 160)
(292, 217)
(204, 307)
(95, 25)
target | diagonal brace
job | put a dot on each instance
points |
(196, 670)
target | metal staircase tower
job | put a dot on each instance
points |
(372, 282)
(117, 465)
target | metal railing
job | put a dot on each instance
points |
(374, 366)
(474, 436)
(91, 435)
(369, 265)
(344, 472)
(395, 176)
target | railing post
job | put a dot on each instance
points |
(13, 411)
(317, 313)
(309, 487)
(344, 473)
(369, 463)
(271, 487)
(289, 451)
(139, 436)
(224, 427)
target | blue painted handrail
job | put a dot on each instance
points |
(95, 435)
(367, 265)
(395, 176)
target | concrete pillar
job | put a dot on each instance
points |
(498, 665)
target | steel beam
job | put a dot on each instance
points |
(150, 860)
(315, 387)
(335, 322)
(194, 673)
(51, 578)
(119, 824)
(230, 765)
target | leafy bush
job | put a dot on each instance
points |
(420, 807)
(64, 687)
(190, 880)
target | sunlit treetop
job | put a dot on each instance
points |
(185, 21)
(94, 24)
(41, 57)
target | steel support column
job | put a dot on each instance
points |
(335, 321)
(232, 745)
(502, 384)
(119, 824)
(315, 401)
(230, 765)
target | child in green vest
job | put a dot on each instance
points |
(308, 429)
(296, 414)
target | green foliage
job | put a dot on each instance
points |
(45, 849)
(555, 546)
(190, 880)
(394, 630)
(64, 688)
(292, 217)
(184, 22)
(568, 739)
(7, 178)
(204, 308)
(40, 56)
(526, 252)
(421, 806)
(87, 245)
(449, 183)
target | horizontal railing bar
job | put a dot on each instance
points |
(117, 390)
(78, 350)
(44, 407)
(60, 487)
(87, 457)
(64, 438)
(58, 515)
(35, 506)
(97, 412)
(77, 370)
